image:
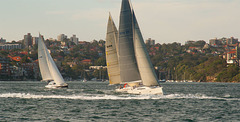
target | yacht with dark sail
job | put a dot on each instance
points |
(128, 61)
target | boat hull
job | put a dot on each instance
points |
(157, 90)
(56, 86)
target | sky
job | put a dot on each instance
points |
(166, 21)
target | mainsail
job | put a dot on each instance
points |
(127, 61)
(111, 53)
(51, 66)
(145, 66)
(46, 76)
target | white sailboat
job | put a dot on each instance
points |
(127, 58)
(84, 80)
(48, 68)
(84, 76)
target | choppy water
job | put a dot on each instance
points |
(93, 101)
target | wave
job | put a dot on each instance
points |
(111, 97)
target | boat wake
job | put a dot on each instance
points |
(112, 97)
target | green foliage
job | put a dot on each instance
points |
(208, 68)
(100, 62)
(3, 53)
(236, 78)
(171, 58)
(196, 44)
(228, 74)
(25, 59)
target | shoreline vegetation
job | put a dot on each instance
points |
(103, 82)
(196, 61)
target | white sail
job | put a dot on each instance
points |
(56, 75)
(127, 61)
(47, 65)
(147, 72)
(46, 76)
(111, 53)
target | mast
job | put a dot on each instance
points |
(111, 53)
(147, 72)
(127, 61)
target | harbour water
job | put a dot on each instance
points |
(97, 101)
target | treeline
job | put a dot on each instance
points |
(174, 61)
(199, 65)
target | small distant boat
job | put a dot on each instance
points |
(84, 80)
(48, 68)
(127, 58)
(84, 75)
(162, 81)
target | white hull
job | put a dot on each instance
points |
(54, 86)
(141, 90)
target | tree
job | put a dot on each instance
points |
(100, 62)
(25, 59)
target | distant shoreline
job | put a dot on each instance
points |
(163, 83)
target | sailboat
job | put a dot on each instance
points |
(48, 68)
(84, 80)
(127, 58)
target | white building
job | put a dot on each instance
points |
(10, 46)
(35, 40)
(27, 41)
(2, 41)
(150, 41)
(74, 39)
(61, 37)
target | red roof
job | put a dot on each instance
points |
(235, 44)
(86, 60)
(16, 58)
(231, 52)
(24, 52)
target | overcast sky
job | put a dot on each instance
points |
(166, 21)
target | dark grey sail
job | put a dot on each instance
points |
(111, 53)
(147, 72)
(127, 61)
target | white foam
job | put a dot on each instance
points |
(110, 97)
(82, 97)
